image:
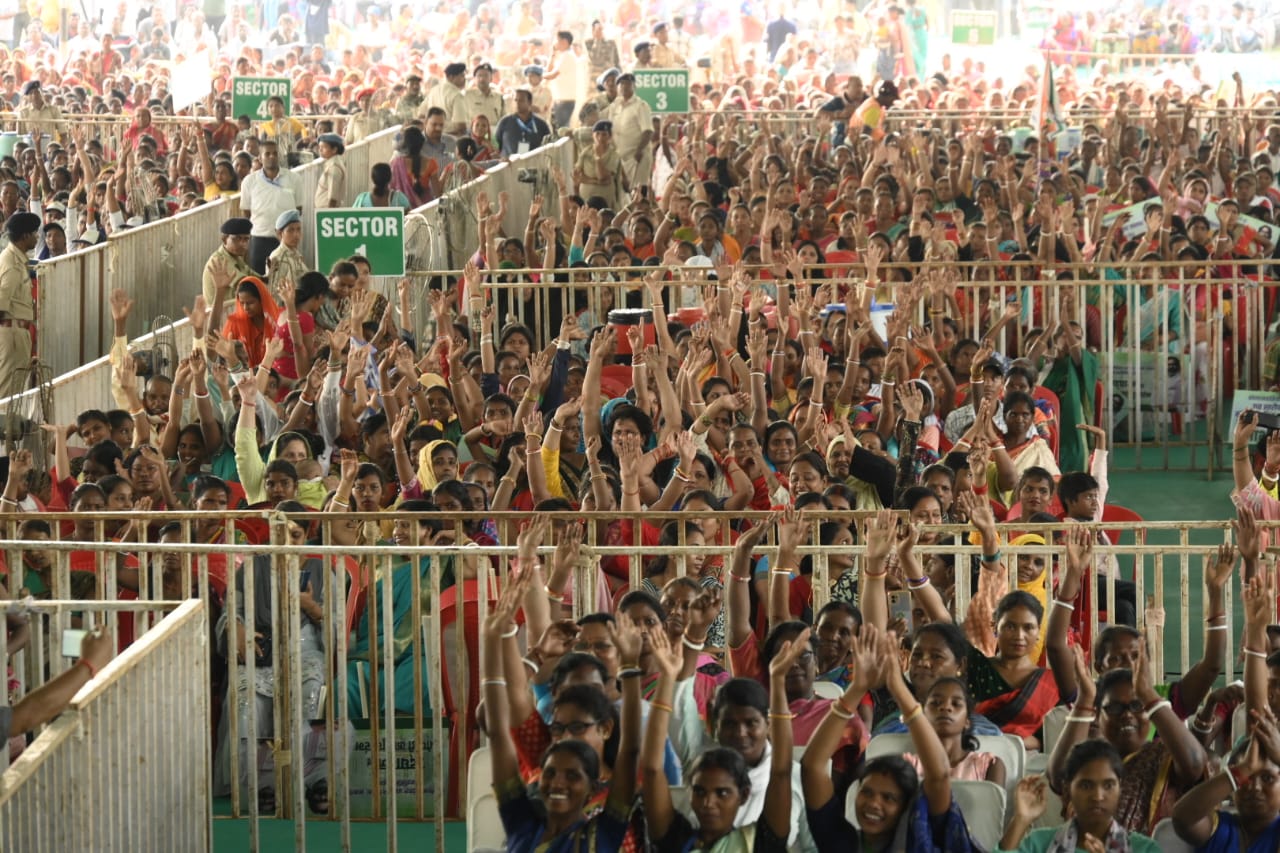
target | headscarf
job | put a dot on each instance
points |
(427, 474)
(1037, 588)
(239, 327)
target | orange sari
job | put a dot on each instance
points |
(242, 328)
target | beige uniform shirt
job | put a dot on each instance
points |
(662, 56)
(475, 102)
(15, 285)
(630, 120)
(46, 120)
(591, 185)
(447, 97)
(284, 263)
(541, 102)
(332, 184)
(238, 267)
(363, 125)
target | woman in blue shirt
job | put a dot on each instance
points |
(1251, 777)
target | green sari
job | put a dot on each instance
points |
(359, 667)
(1074, 384)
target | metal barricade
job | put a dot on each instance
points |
(126, 767)
(160, 264)
(374, 691)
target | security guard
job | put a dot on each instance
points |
(481, 98)
(17, 308)
(36, 115)
(232, 256)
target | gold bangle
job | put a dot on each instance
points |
(916, 712)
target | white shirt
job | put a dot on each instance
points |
(266, 198)
(564, 86)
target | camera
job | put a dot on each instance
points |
(527, 176)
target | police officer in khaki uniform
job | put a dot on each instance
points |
(36, 115)
(17, 309)
(632, 133)
(483, 99)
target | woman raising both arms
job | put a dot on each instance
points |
(718, 780)
(570, 768)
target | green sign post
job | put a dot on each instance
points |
(375, 232)
(974, 27)
(665, 90)
(249, 96)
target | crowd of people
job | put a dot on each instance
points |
(707, 337)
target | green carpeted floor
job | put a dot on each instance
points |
(1158, 494)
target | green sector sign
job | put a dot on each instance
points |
(665, 90)
(973, 27)
(375, 232)
(249, 96)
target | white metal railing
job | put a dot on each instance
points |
(160, 264)
(126, 767)
(404, 757)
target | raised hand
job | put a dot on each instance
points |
(912, 399)
(1259, 601)
(1266, 733)
(348, 464)
(702, 613)
(1218, 566)
(1244, 430)
(1099, 435)
(1086, 689)
(1031, 798)
(1248, 536)
(793, 530)
(556, 641)
(628, 638)
(121, 305)
(666, 657)
(878, 534)
(1079, 551)
(787, 656)
(864, 661)
(530, 538)
(533, 426)
(248, 390)
(273, 350)
(20, 465)
(513, 592)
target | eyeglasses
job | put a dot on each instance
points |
(1115, 709)
(577, 728)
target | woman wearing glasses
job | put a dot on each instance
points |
(1156, 772)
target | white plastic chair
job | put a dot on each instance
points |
(1012, 752)
(1170, 841)
(983, 805)
(1009, 749)
(827, 690)
(484, 825)
(1239, 723)
(897, 743)
(1054, 723)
